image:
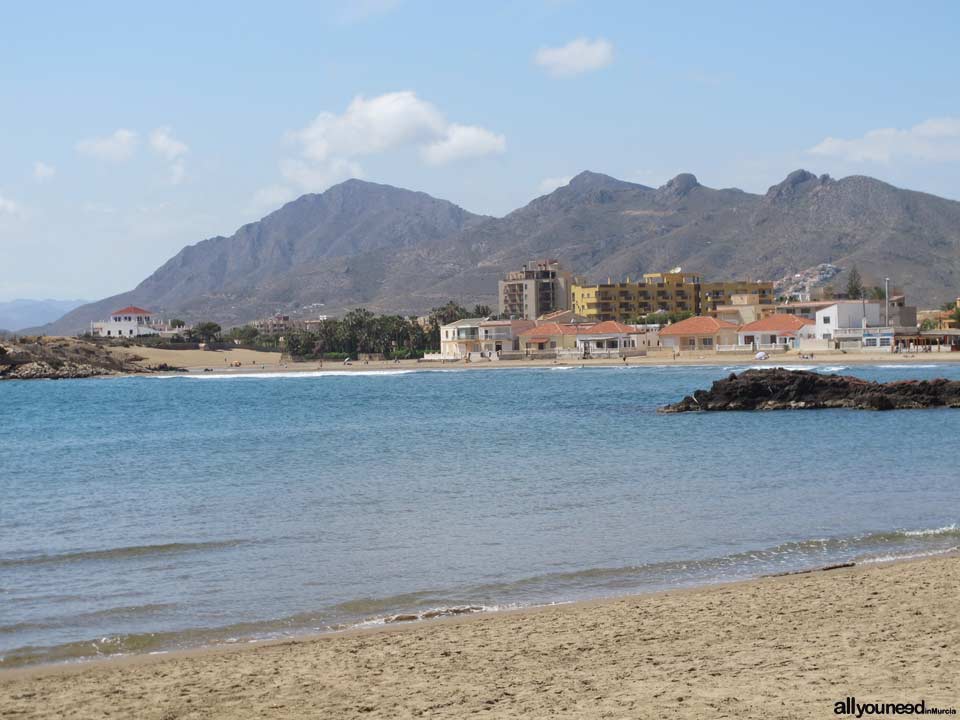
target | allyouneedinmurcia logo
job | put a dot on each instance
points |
(850, 706)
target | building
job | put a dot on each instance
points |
(274, 325)
(743, 309)
(717, 294)
(614, 339)
(776, 332)
(130, 321)
(550, 338)
(539, 288)
(698, 333)
(673, 292)
(461, 338)
(497, 336)
(845, 320)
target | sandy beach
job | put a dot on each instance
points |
(784, 647)
(251, 361)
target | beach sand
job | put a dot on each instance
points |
(782, 647)
(252, 361)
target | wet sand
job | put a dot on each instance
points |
(780, 647)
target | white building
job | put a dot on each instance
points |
(129, 322)
(775, 332)
(614, 339)
(460, 338)
(846, 319)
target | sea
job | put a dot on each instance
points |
(150, 514)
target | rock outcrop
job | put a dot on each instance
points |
(780, 389)
(63, 358)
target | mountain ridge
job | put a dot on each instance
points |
(397, 250)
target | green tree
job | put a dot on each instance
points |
(877, 293)
(177, 323)
(246, 334)
(854, 284)
(207, 331)
(482, 311)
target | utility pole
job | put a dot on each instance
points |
(886, 301)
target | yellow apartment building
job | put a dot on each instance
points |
(661, 292)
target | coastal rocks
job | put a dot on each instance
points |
(45, 371)
(780, 389)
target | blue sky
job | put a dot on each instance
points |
(129, 131)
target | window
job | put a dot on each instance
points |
(708, 342)
(826, 319)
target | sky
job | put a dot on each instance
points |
(130, 130)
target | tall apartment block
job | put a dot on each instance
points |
(539, 288)
(666, 292)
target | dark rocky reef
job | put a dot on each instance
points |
(780, 389)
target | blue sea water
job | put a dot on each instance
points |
(143, 514)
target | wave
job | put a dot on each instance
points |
(302, 374)
(119, 553)
(907, 366)
(531, 591)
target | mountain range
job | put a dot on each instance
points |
(19, 314)
(398, 251)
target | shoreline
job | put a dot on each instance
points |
(212, 360)
(843, 591)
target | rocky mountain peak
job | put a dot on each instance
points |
(797, 183)
(679, 186)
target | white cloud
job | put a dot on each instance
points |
(166, 145)
(117, 147)
(464, 141)
(8, 206)
(934, 140)
(371, 126)
(550, 184)
(576, 57)
(43, 172)
(332, 145)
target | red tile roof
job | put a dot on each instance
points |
(778, 323)
(699, 325)
(132, 310)
(607, 327)
(552, 329)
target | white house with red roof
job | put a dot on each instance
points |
(130, 321)
(777, 332)
(614, 339)
(698, 333)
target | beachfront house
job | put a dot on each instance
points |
(502, 336)
(613, 339)
(461, 338)
(698, 333)
(130, 321)
(550, 339)
(776, 332)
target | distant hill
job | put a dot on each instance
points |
(394, 250)
(18, 314)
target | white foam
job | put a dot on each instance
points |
(907, 366)
(909, 556)
(302, 374)
(945, 530)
